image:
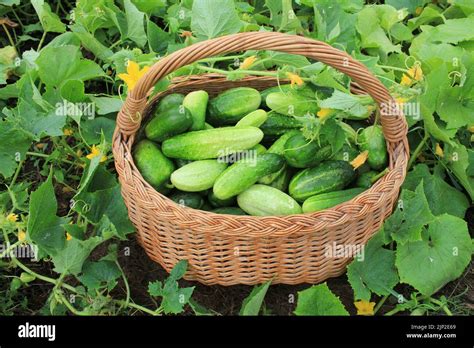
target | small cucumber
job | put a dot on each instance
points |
(174, 120)
(365, 179)
(282, 181)
(212, 143)
(173, 99)
(229, 211)
(326, 177)
(305, 90)
(278, 124)
(255, 118)
(196, 103)
(259, 149)
(197, 176)
(329, 199)
(301, 153)
(230, 106)
(291, 104)
(219, 203)
(188, 199)
(243, 174)
(262, 200)
(152, 164)
(371, 139)
(347, 153)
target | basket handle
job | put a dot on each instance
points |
(129, 117)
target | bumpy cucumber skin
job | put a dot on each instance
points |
(301, 153)
(365, 179)
(347, 153)
(173, 99)
(172, 121)
(229, 211)
(220, 203)
(196, 103)
(291, 104)
(288, 88)
(255, 118)
(155, 168)
(259, 149)
(371, 139)
(188, 199)
(326, 177)
(263, 200)
(197, 176)
(230, 106)
(211, 143)
(282, 181)
(278, 124)
(243, 174)
(329, 199)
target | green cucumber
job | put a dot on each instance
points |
(346, 153)
(229, 211)
(211, 143)
(305, 90)
(173, 99)
(301, 153)
(172, 121)
(365, 179)
(350, 133)
(291, 104)
(155, 168)
(329, 199)
(255, 118)
(188, 199)
(197, 176)
(326, 177)
(219, 203)
(196, 103)
(259, 149)
(243, 174)
(282, 181)
(262, 200)
(181, 162)
(278, 124)
(230, 106)
(371, 139)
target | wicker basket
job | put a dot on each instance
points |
(230, 249)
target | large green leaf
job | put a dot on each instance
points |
(412, 213)
(13, 146)
(212, 18)
(441, 256)
(319, 300)
(59, 64)
(253, 302)
(44, 227)
(73, 256)
(437, 192)
(454, 31)
(374, 273)
(49, 20)
(458, 160)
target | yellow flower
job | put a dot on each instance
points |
(323, 113)
(294, 79)
(12, 217)
(248, 62)
(79, 153)
(401, 100)
(133, 74)
(418, 10)
(39, 146)
(439, 151)
(414, 74)
(95, 151)
(360, 159)
(21, 236)
(68, 236)
(67, 132)
(186, 33)
(471, 128)
(365, 307)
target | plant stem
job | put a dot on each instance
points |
(417, 150)
(69, 305)
(10, 39)
(392, 68)
(17, 172)
(12, 246)
(245, 72)
(381, 302)
(43, 155)
(379, 175)
(125, 281)
(41, 41)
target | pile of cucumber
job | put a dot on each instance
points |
(243, 152)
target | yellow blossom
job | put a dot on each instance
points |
(67, 131)
(295, 79)
(439, 151)
(68, 236)
(186, 33)
(133, 74)
(401, 100)
(39, 146)
(95, 151)
(21, 235)
(360, 159)
(12, 217)
(323, 113)
(365, 307)
(414, 74)
(248, 62)
(79, 153)
(471, 128)
(418, 10)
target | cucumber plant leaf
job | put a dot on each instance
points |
(319, 300)
(49, 20)
(74, 254)
(253, 302)
(441, 256)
